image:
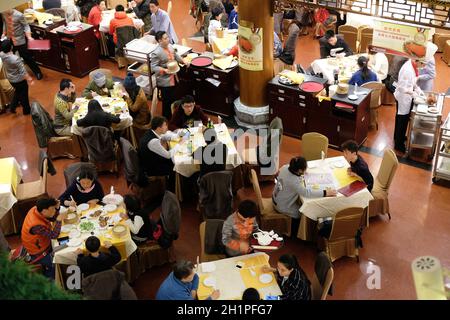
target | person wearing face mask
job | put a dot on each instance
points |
(84, 189)
(291, 278)
(98, 86)
(42, 224)
(238, 228)
(290, 185)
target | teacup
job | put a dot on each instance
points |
(264, 238)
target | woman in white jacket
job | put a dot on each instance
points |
(406, 90)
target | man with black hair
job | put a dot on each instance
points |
(165, 78)
(17, 76)
(358, 167)
(97, 261)
(251, 294)
(182, 284)
(120, 20)
(331, 45)
(290, 185)
(187, 114)
(161, 22)
(63, 107)
(38, 230)
(141, 9)
(238, 228)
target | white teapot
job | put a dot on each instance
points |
(263, 237)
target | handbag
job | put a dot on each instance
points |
(21, 254)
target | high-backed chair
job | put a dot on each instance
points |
(342, 239)
(57, 12)
(270, 219)
(210, 240)
(382, 183)
(375, 101)
(322, 278)
(350, 35)
(440, 38)
(446, 53)
(216, 195)
(72, 171)
(366, 39)
(313, 143)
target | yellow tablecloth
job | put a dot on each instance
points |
(10, 176)
(232, 281)
(227, 42)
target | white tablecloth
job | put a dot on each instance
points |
(185, 164)
(125, 118)
(7, 195)
(229, 280)
(315, 208)
(108, 15)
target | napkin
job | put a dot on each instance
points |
(208, 266)
(223, 63)
(293, 76)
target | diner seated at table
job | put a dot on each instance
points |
(238, 228)
(63, 107)
(154, 154)
(290, 185)
(95, 16)
(141, 9)
(358, 166)
(84, 189)
(38, 232)
(120, 20)
(333, 45)
(137, 101)
(96, 116)
(142, 228)
(378, 63)
(161, 22)
(364, 74)
(97, 261)
(291, 278)
(182, 284)
(212, 156)
(250, 294)
(187, 114)
(214, 24)
(98, 86)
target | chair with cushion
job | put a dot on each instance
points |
(46, 136)
(446, 53)
(72, 171)
(313, 144)
(102, 148)
(322, 278)
(270, 219)
(125, 34)
(382, 183)
(342, 240)
(440, 38)
(211, 240)
(366, 37)
(375, 101)
(107, 285)
(255, 159)
(350, 35)
(216, 195)
(59, 12)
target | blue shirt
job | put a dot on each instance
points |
(161, 22)
(233, 21)
(174, 289)
(357, 78)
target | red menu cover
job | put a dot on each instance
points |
(38, 44)
(342, 105)
(352, 188)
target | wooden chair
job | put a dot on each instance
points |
(270, 219)
(382, 183)
(365, 39)
(313, 144)
(205, 257)
(72, 171)
(439, 39)
(375, 101)
(342, 239)
(322, 278)
(350, 35)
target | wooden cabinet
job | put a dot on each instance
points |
(217, 99)
(52, 58)
(302, 112)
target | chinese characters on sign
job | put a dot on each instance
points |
(250, 46)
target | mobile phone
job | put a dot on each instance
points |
(63, 240)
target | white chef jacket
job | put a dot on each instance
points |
(406, 88)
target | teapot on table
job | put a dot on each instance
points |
(264, 238)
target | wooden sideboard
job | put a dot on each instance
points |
(302, 112)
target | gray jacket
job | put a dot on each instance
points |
(287, 190)
(20, 26)
(159, 62)
(14, 67)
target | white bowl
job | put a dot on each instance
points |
(110, 207)
(74, 233)
(83, 207)
(62, 209)
(209, 282)
(265, 278)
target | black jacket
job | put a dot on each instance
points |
(97, 117)
(325, 47)
(90, 265)
(296, 287)
(151, 163)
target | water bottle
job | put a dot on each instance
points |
(356, 89)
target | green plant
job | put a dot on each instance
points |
(18, 282)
